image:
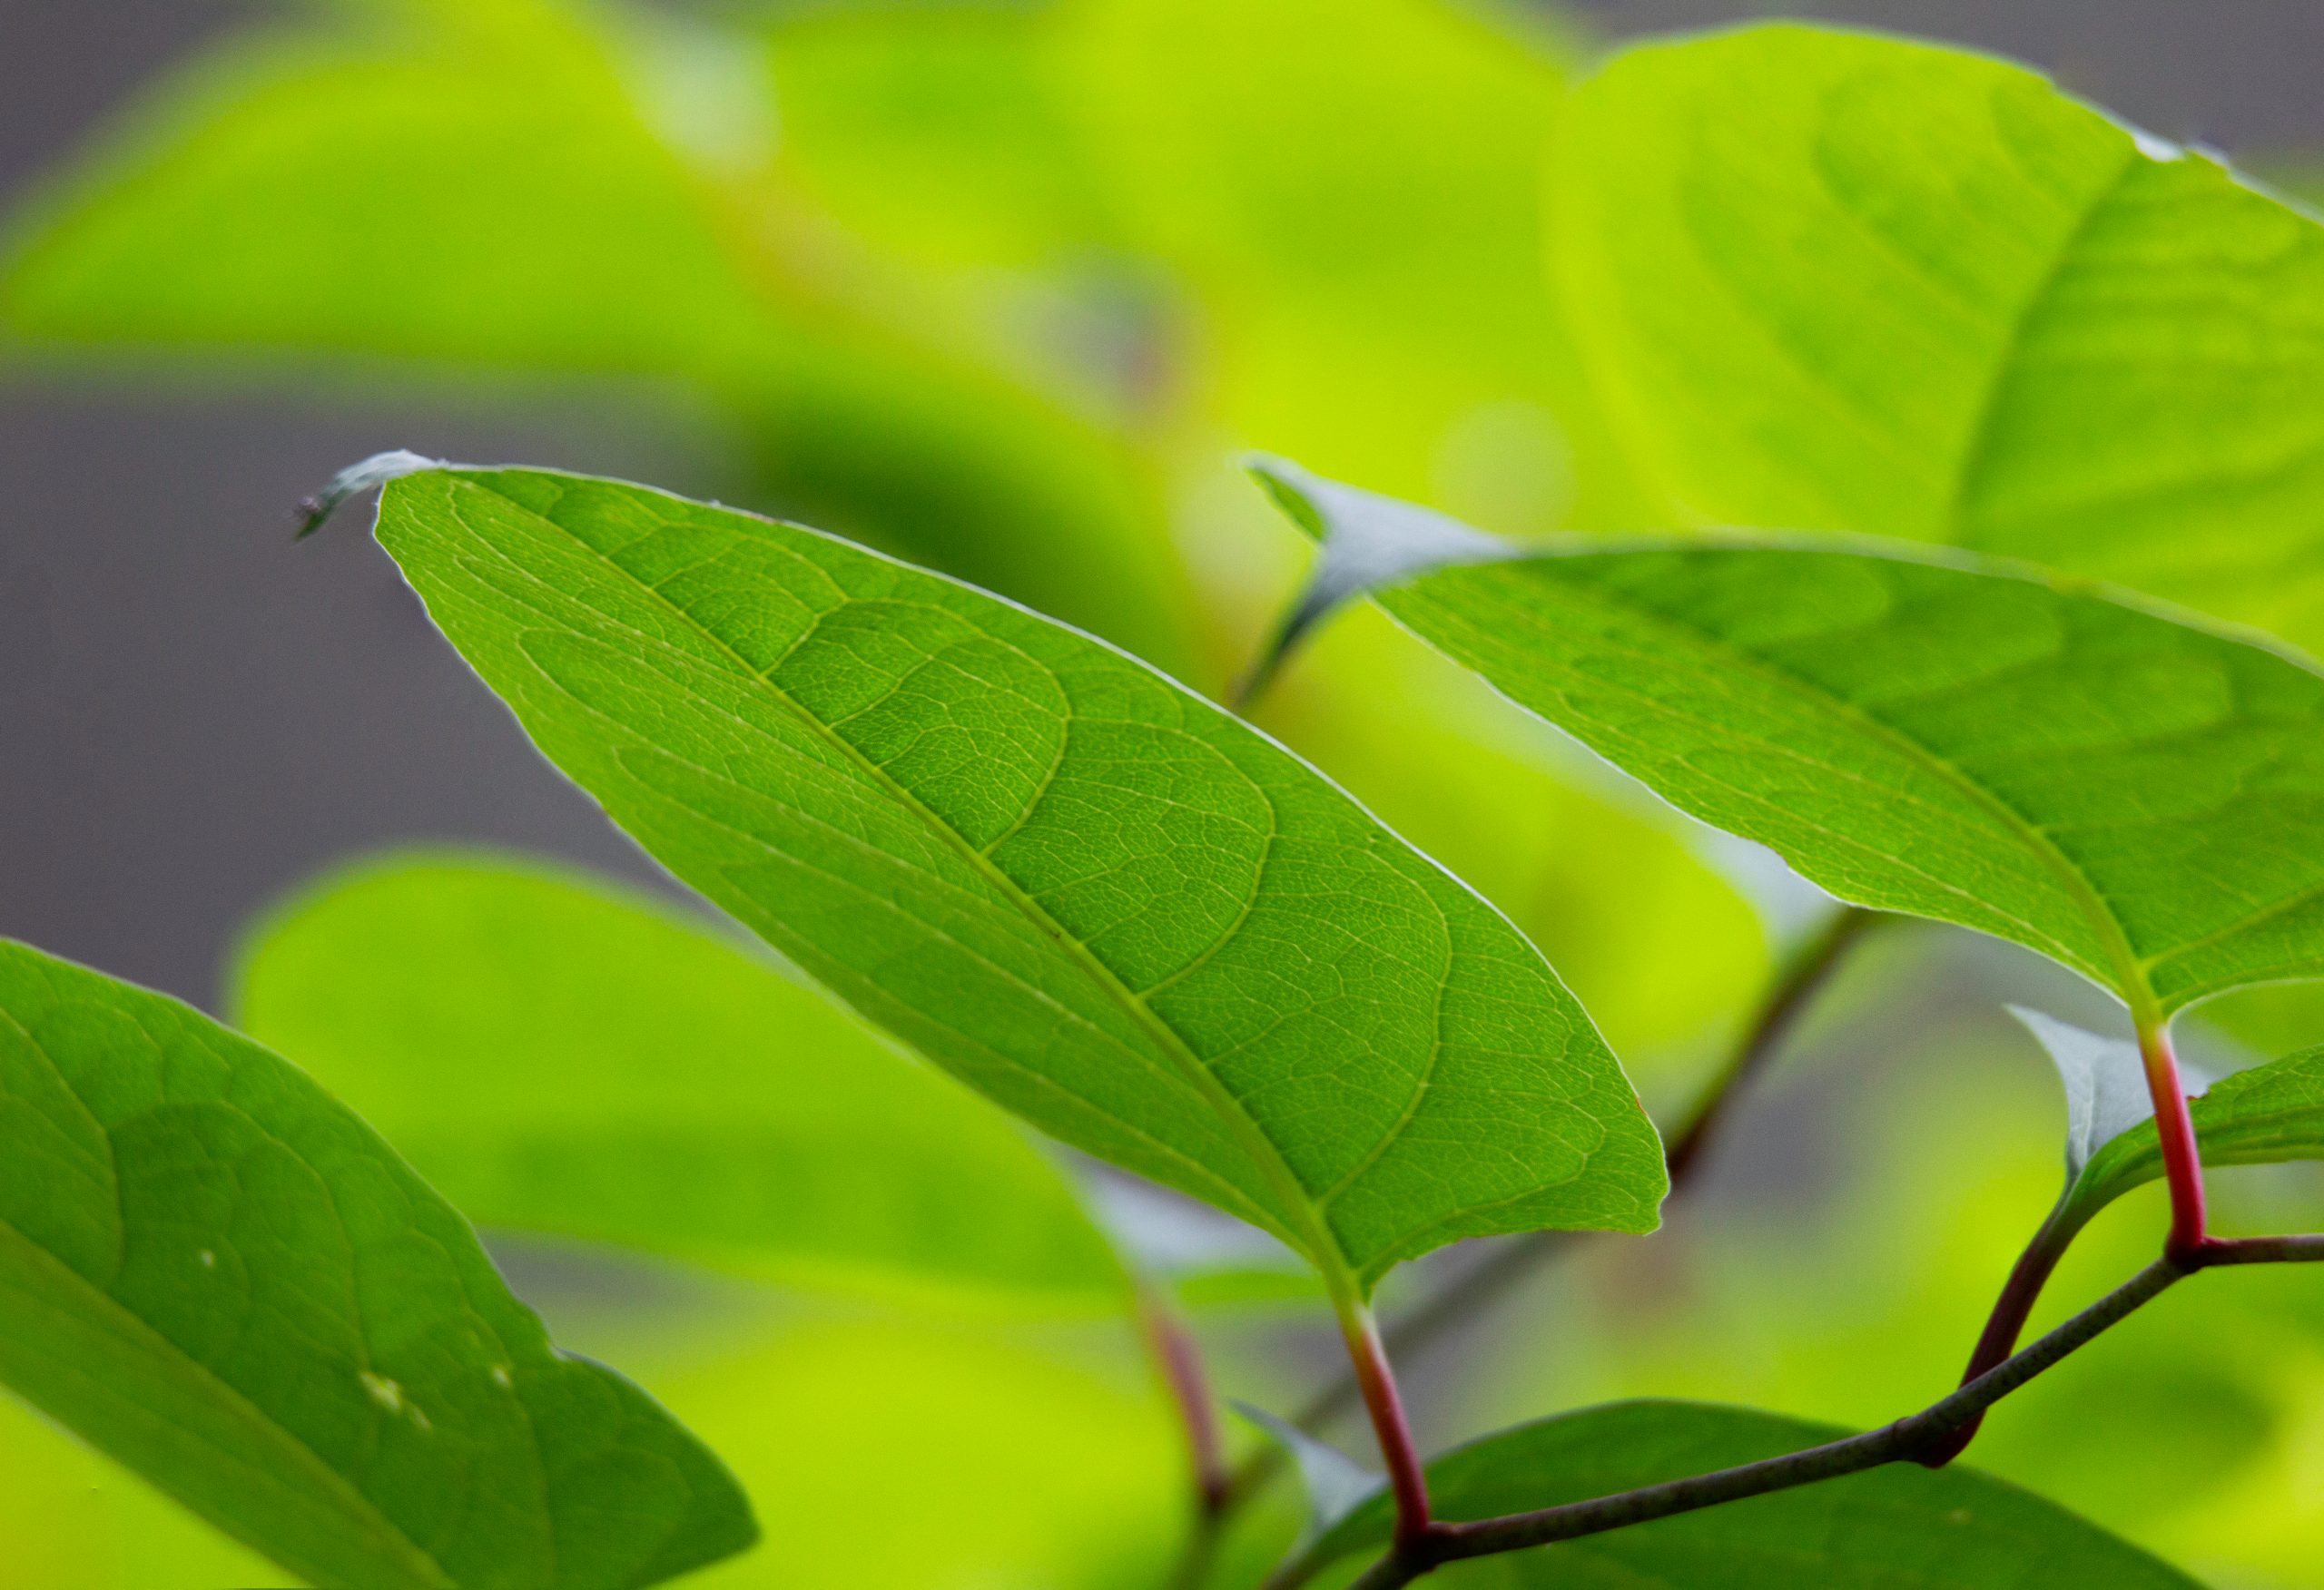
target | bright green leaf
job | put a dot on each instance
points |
(561, 1055)
(225, 1281)
(540, 163)
(1089, 893)
(1831, 281)
(2265, 1115)
(1948, 1529)
(2137, 798)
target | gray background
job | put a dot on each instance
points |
(197, 714)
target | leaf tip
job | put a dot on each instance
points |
(315, 511)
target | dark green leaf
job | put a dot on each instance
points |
(1830, 280)
(228, 1282)
(2138, 798)
(1882, 1529)
(1085, 891)
(558, 1056)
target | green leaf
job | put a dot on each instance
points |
(558, 1055)
(225, 1281)
(1946, 1530)
(1830, 280)
(1089, 893)
(544, 159)
(2265, 1115)
(2140, 798)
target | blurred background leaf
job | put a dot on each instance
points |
(1829, 280)
(1002, 286)
(557, 1056)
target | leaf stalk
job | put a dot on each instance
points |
(2182, 1158)
(1406, 1477)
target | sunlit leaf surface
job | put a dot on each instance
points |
(1090, 894)
(2135, 797)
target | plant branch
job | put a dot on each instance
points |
(2010, 1309)
(1905, 1439)
(2189, 1239)
(1802, 977)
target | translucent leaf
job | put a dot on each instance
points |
(1090, 894)
(2138, 798)
(2104, 1079)
(2265, 1115)
(1336, 1484)
(1830, 280)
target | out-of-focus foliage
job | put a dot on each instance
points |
(560, 1057)
(1000, 285)
(1836, 281)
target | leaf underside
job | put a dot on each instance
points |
(2266, 1115)
(1947, 1529)
(555, 1053)
(1091, 895)
(223, 1280)
(2140, 798)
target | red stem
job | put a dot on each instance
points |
(2004, 1326)
(2183, 1161)
(1180, 1364)
(2189, 1243)
(1406, 1480)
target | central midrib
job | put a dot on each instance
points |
(2085, 894)
(1322, 1249)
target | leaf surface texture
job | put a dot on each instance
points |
(1089, 893)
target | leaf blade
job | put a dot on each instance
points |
(1832, 280)
(250, 1299)
(2140, 798)
(558, 1055)
(910, 788)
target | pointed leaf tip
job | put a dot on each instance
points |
(1367, 542)
(1336, 1484)
(314, 512)
(2106, 1083)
